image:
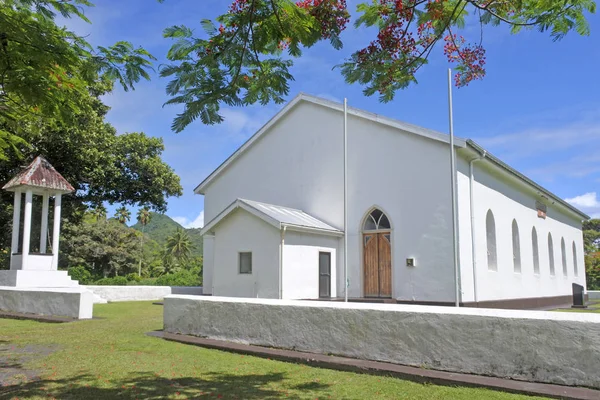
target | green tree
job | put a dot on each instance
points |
(247, 55)
(178, 247)
(104, 248)
(123, 215)
(591, 244)
(99, 212)
(143, 217)
(45, 69)
(103, 166)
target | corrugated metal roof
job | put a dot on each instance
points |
(40, 174)
(289, 216)
(277, 216)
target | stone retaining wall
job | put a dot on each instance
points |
(551, 347)
(593, 294)
(64, 302)
(140, 293)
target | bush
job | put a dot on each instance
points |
(181, 278)
(79, 273)
(144, 282)
(133, 278)
(116, 281)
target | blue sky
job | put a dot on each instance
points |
(538, 108)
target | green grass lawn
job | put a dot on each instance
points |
(593, 307)
(110, 357)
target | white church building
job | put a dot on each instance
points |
(275, 212)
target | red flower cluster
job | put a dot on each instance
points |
(471, 59)
(238, 6)
(396, 41)
(332, 14)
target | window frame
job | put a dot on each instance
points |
(240, 254)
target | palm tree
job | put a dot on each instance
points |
(122, 215)
(143, 216)
(179, 246)
(99, 212)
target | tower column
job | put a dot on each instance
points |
(14, 246)
(44, 231)
(26, 228)
(56, 231)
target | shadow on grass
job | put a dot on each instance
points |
(150, 386)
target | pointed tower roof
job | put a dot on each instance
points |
(40, 176)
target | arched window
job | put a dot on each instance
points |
(563, 253)
(575, 260)
(490, 229)
(516, 246)
(536, 251)
(377, 221)
(551, 254)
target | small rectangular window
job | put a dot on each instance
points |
(246, 262)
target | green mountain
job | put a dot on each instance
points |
(162, 226)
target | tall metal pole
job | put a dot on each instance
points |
(346, 283)
(453, 192)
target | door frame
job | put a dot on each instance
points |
(361, 249)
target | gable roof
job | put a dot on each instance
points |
(302, 97)
(278, 216)
(403, 126)
(40, 175)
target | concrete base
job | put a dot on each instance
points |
(36, 279)
(74, 302)
(536, 346)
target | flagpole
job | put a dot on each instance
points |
(346, 199)
(453, 193)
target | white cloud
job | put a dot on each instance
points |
(188, 223)
(587, 202)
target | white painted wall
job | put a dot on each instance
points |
(551, 347)
(139, 293)
(74, 302)
(406, 176)
(299, 164)
(240, 232)
(301, 264)
(510, 199)
(208, 262)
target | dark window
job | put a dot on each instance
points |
(246, 263)
(563, 253)
(551, 254)
(324, 274)
(575, 260)
(377, 220)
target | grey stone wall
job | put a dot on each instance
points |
(552, 347)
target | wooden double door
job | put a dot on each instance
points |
(377, 264)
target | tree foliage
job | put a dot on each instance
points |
(123, 215)
(45, 69)
(246, 54)
(591, 243)
(107, 248)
